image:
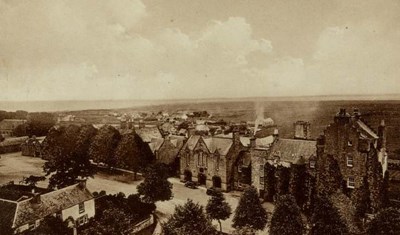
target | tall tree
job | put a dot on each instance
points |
(298, 184)
(249, 211)
(67, 154)
(326, 219)
(132, 154)
(386, 222)
(188, 219)
(104, 144)
(283, 180)
(270, 182)
(360, 197)
(330, 180)
(286, 219)
(20, 130)
(155, 186)
(40, 123)
(217, 208)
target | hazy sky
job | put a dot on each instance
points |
(156, 49)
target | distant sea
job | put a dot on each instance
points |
(72, 105)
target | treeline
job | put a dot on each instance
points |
(38, 123)
(70, 149)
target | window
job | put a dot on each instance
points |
(82, 220)
(312, 164)
(216, 162)
(349, 143)
(81, 207)
(350, 182)
(187, 159)
(201, 159)
(262, 180)
(350, 161)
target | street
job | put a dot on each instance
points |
(14, 167)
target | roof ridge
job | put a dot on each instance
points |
(6, 200)
(54, 191)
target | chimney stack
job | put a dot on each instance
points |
(82, 183)
(252, 142)
(36, 198)
(356, 113)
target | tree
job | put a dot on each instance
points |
(67, 154)
(188, 219)
(32, 180)
(361, 199)
(132, 154)
(270, 182)
(326, 219)
(20, 130)
(51, 225)
(298, 184)
(155, 186)
(386, 222)
(217, 208)
(331, 178)
(40, 123)
(286, 219)
(112, 221)
(104, 144)
(283, 180)
(249, 211)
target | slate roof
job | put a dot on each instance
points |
(290, 150)
(155, 144)
(148, 133)
(50, 203)
(366, 130)
(14, 141)
(7, 214)
(260, 142)
(222, 145)
(213, 144)
(10, 124)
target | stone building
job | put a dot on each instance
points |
(74, 204)
(282, 152)
(211, 160)
(166, 150)
(355, 153)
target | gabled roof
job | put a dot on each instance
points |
(14, 141)
(50, 203)
(366, 130)
(148, 133)
(155, 144)
(9, 124)
(222, 145)
(290, 150)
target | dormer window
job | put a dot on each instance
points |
(349, 143)
(350, 182)
(312, 164)
(350, 161)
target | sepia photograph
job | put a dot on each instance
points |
(200, 117)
